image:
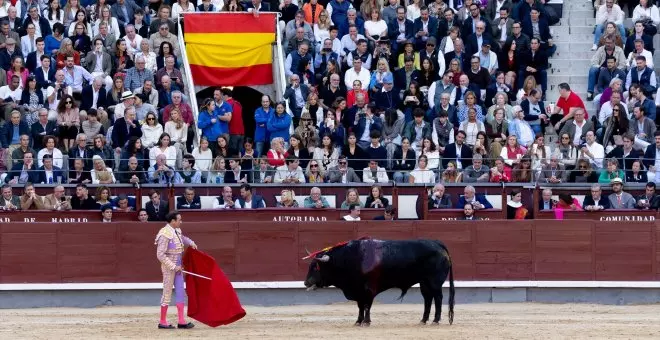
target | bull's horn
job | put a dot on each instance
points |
(307, 251)
(309, 255)
(324, 258)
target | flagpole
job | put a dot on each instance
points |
(193, 274)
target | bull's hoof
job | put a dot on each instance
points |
(366, 324)
(422, 323)
(435, 323)
(358, 324)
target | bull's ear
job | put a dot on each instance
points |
(324, 258)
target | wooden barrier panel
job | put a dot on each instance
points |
(611, 215)
(268, 251)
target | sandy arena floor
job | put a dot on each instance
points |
(479, 321)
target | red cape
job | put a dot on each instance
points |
(211, 302)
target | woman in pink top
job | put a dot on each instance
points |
(513, 152)
(17, 69)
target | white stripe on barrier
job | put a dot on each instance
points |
(299, 285)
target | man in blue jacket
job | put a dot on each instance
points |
(25, 172)
(279, 122)
(261, 116)
(478, 201)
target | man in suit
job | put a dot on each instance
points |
(478, 201)
(464, 87)
(424, 27)
(43, 127)
(546, 202)
(503, 26)
(108, 38)
(48, 173)
(468, 213)
(294, 93)
(620, 199)
(156, 208)
(448, 20)
(82, 200)
(148, 93)
(400, 30)
(474, 41)
(535, 63)
(9, 201)
(81, 151)
(99, 63)
(189, 200)
(45, 74)
(439, 199)
(407, 74)
(33, 60)
(94, 97)
(644, 132)
(458, 53)
(57, 200)
(470, 24)
(649, 199)
(264, 173)
(458, 152)
(125, 128)
(534, 20)
(8, 53)
(6, 33)
(553, 173)
(133, 173)
(342, 173)
(235, 174)
(388, 215)
(123, 11)
(495, 6)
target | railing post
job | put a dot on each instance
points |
(503, 201)
(425, 203)
(535, 200)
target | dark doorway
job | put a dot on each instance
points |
(249, 98)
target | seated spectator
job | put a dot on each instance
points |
(567, 104)
(103, 196)
(636, 174)
(520, 129)
(458, 152)
(468, 213)
(156, 208)
(422, 173)
(163, 148)
(616, 126)
(161, 173)
(620, 199)
(478, 201)
(43, 127)
(50, 143)
(513, 152)
(568, 153)
(477, 172)
(388, 215)
(327, 153)
(189, 200)
(375, 199)
(554, 172)
(439, 199)
(611, 172)
(290, 173)
(276, 153)
(305, 136)
(17, 154)
(247, 200)
(106, 214)
(143, 216)
(188, 173)
(123, 204)
(443, 129)
(600, 64)
(642, 128)
(82, 200)
(48, 173)
(264, 173)
(133, 173)
(57, 200)
(649, 199)
(546, 202)
(640, 98)
(134, 148)
(353, 212)
(316, 200)
(472, 128)
(500, 173)
(403, 161)
(9, 201)
(514, 208)
(30, 200)
(78, 174)
(450, 174)
(217, 171)
(100, 173)
(592, 151)
(523, 172)
(342, 173)
(642, 75)
(567, 202)
(287, 199)
(25, 172)
(178, 131)
(352, 197)
(314, 173)
(374, 173)
(417, 130)
(226, 200)
(151, 130)
(583, 173)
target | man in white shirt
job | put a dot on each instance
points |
(354, 213)
(226, 201)
(357, 72)
(593, 151)
(291, 172)
(349, 41)
(606, 109)
(248, 200)
(640, 50)
(127, 100)
(10, 95)
(374, 174)
(608, 12)
(132, 39)
(74, 75)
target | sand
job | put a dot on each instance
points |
(391, 321)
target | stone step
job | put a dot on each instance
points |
(580, 13)
(572, 38)
(575, 46)
(582, 29)
(562, 30)
(574, 55)
(573, 21)
(571, 66)
(577, 5)
(556, 79)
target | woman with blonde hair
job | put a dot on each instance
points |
(500, 101)
(151, 130)
(178, 130)
(377, 77)
(100, 173)
(107, 19)
(287, 199)
(451, 175)
(148, 55)
(322, 27)
(315, 173)
(203, 157)
(528, 85)
(216, 174)
(352, 197)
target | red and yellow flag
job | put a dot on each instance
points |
(232, 49)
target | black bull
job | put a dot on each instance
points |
(364, 268)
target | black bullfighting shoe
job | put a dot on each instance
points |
(185, 326)
(165, 326)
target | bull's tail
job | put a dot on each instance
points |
(452, 292)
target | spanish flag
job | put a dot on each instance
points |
(230, 49)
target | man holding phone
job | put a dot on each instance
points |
(57, 200)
